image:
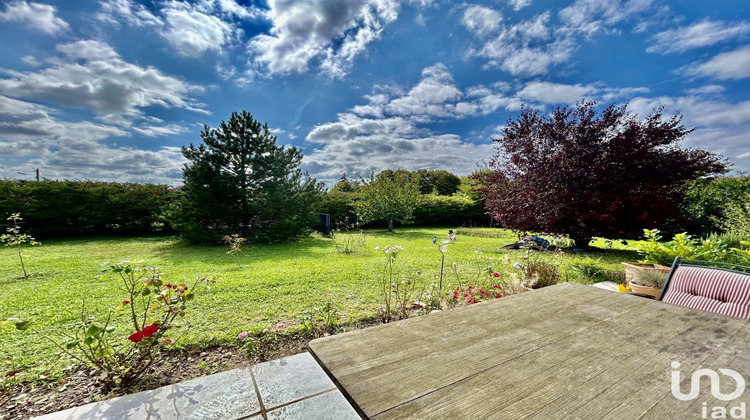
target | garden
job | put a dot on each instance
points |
(111, 288)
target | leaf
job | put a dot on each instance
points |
(109, 329)
(88, 340)
(189, 296)
(72, 344)
(146, 292)
(93, 331)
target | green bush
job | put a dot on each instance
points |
(589, 269)
(703, 211)
(437, 210)
(72, 208)
(714, 248)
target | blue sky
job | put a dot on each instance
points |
(111, 89)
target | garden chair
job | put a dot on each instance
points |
(709, 286)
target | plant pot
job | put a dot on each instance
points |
(630, 272)
(645, 291)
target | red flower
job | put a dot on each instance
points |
(125, 302)
(136, 337)
(150, 330)
(496, 274)
(498, 296)
(497, 287)
(11, 373)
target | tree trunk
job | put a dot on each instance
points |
(581, 241)
(390, 225)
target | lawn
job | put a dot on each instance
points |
(276, 283)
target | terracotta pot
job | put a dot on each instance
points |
(645, 291)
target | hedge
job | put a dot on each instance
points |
(73, 208)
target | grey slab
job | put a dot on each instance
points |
(133, 406)
(225, 395)
(331, 405)
(291, 378)
(606, 285)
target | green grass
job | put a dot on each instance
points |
(276, 283)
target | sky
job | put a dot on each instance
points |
(111, 89)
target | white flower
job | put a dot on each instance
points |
(377, 248)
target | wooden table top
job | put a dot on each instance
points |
(566, 351)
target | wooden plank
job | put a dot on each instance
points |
(554, 381)
(388, 365)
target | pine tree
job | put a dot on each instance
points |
(240, 181)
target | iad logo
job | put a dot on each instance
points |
(718, 412)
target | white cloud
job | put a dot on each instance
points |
(37, 16)
(331, 32)
(192, 32)
(527, 48)
(729, 65)
(91, 75)
(128, 11)
(700, 34)
(519, 4)
(555, 92)
(721, 126)
(481, 20)
(705, 90)
(591, 16)
(73, 150)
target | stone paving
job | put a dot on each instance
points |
(290, 388)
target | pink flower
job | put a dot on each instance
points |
(495, 274)
(243, 334)
(280, 325)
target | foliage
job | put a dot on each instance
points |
(15, 238)
(350, 240)
(589, 269)
(474, 294)
(736, 217)
(585, 174)
(68, 208)
(235, 242)
(396, 294)
(239, 178)
(439, 182)
(707, 203)
(434, 210)
(684, 246)
(391, 196)
(538, 273)
(650, 278)
(151, 306)
(320, 319)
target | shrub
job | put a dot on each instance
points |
(737, 217)
(589, 269)
(151, 307)
(704, 209)
(235, 242)
(15, 238)
(350, 240)
(684, 246)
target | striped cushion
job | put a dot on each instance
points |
(709, 289)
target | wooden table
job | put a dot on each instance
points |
(567, 351)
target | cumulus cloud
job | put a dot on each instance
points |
(91, 75)
(37, 138)
(481, 20)
(561, 93)
(192, 32)
(721, 126)
(37, 16)
(729, 65)
(697, 35)
(331, 32)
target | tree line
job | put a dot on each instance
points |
(575, 171)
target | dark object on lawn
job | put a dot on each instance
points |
(533, 242)
(324, 225)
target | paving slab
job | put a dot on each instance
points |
(225, 395)
(133, 406)
(326, 406)
(288, 379)
(293, 387)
